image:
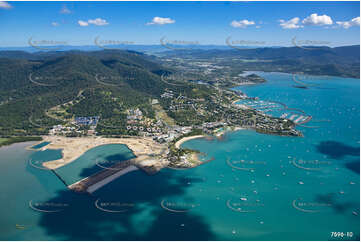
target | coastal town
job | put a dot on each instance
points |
(196, 101)
(212, 119)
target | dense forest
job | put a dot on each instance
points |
(100, 83)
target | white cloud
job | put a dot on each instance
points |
(348, 24)
(290, 24)
(97, 21)
(315, 19)
(5, 5)
(55, 24)
(82, 23)
(242, 23)
(161, 21)
(65, 10)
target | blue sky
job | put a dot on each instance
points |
(267, 23)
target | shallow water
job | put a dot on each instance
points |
(93, 161)
(259, 187)
(40, 145)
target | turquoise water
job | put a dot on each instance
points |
(271, 188)
(94, 160)
(41, 145)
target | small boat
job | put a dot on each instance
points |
(301, 182)
(243, 198)
(355, 213)
(18, 226)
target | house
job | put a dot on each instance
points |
(87, 120)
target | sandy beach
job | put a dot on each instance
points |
(235, 101)
(181, 141)
(145, 149)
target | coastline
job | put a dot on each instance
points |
(19, 139)
(181, 141)
(35, 144)
(237, 100)
(148, 153)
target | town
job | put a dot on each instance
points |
(178, 116)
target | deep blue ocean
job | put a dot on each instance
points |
(258, 187)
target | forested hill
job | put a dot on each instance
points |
(76, 68)
(100, 83)
(32, 83)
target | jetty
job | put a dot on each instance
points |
(150, 165)
(103, 177)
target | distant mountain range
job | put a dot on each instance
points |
(141, 48)
(339, 61)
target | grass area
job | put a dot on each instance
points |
(163, 115)
(13, 140)
(3, 140)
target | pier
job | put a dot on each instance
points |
(103, 177)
